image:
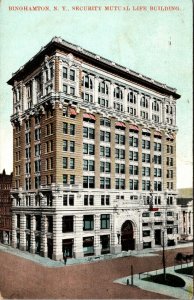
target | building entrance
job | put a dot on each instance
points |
(37, 244)
(68, 247)
(50, 248)
(27, 242)
(157, 234)
(127, 240)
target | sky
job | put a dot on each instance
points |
(155, 43)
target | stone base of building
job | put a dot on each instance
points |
(98, 251)
(57, 257)
(139, 246)
(78, 254)
(22, 248)
(44, 254)
(115, 249)
(14, 245)
(32, 251)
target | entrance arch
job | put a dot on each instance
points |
(127, 239)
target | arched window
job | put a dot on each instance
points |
(131, 97)
(155, 106)
(87, 82)
(144, 102)
(118, 94)
(103, 88)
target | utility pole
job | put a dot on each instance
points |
(163, 257)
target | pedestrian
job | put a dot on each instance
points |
(65, 259)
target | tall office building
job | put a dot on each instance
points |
(94, 156)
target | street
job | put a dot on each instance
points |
(21, 278)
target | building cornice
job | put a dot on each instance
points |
(58, 43)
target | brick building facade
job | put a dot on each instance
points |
(94, 156)
(5, 208)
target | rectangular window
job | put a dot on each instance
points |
(64, 72)
(72, 163)
(88, 222)
(72, 75)
(88, 133)
(65, 179)
(105, 136)
(146, 171)
(67, 224)
(88, 165)
(28, 220)
(37, 181)
(105, 200)
(38, 222)
(133, 184)
(65, 88)
(133, 155)
(91, 133)
(105, 221)
(72, 91)
(146, 233)
(145, 185)
(88, 200)
(65, 200)
(72, 129)
(88, 245)
(65, 128)
(65, 163)
(50, 223)
(88, 149)
(72, 179)
(68, 199)
(37, 134)
(65, 145)
(104, 183)
(105, 242)
(72, 146)
(119, 183)
(71, 200)
(145, 144)
(88, 181)
(157, 159)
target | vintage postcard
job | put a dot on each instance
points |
(96, 149)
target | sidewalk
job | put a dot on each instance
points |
(47, 262)
(180, 293)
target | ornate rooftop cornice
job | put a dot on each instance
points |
(57, 43)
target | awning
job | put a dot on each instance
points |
(157, 133)
(86, 116)
(89, 116)
(120, 124)
(72, 111)
(170, 137)
(153, 209)
(145, 130)
(92, 117)
(133, 127)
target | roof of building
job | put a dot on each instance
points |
(185, 196)
(5, 178)
(185, 193)
(183, 201)
(59, 43)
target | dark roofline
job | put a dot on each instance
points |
(60, 44)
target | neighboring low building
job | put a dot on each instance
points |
(5, 208)
(185, 202)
